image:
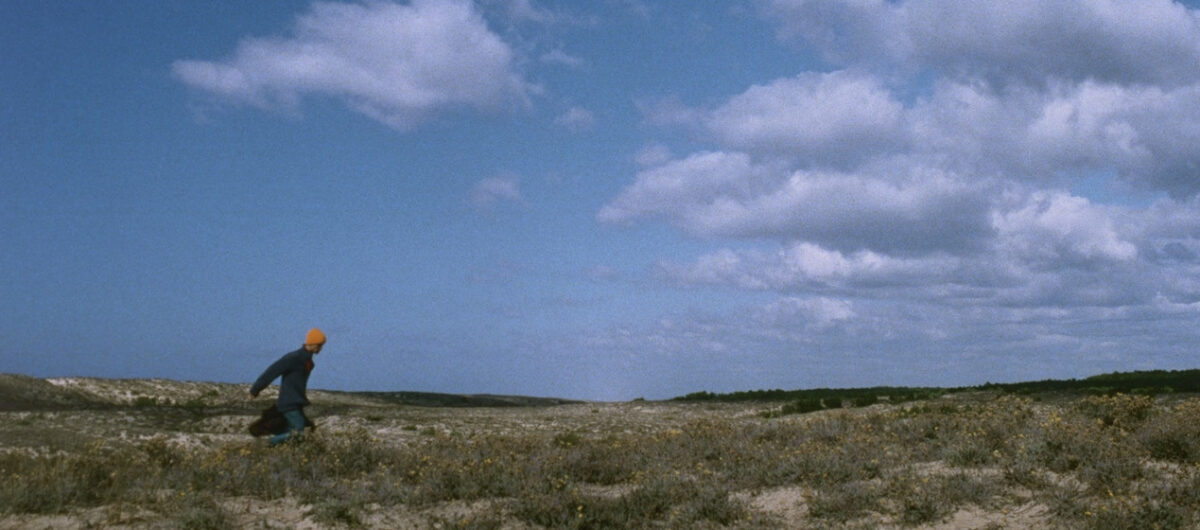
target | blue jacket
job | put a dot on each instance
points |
(295, 368)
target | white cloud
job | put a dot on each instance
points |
(1124, 41)
(801, 266)
(937, 187)
(1087, 126)
(1048, 250)
(679, 187)
(1061, 132)
(823, 118)
(726, 194)
(843, 31)
(1146, 133)
(972, 128)
(394, 63)
(490, 192)
(797, 313)
(840, 160)
(920, 213)
(1057, 228)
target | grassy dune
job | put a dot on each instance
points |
(981, 459)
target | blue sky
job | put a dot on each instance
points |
(601, 200)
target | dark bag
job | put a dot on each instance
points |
(272, 422)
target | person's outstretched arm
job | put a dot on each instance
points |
(275, 370)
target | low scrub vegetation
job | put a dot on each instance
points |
(1119, 461)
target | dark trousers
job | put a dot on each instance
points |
(295, 421)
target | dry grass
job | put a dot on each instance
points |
(976, 461)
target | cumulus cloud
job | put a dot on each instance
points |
(1062, 131)
(1059, 229)
(677, 188)
(918, 146)
(1122, 41)
(801, 266)
(1027, 89)
(395, 63)
(1053, 253)
(1146, 133)
(943, 183)
(727, 194)
(820, 311)
(818, 118)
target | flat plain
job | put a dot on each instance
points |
(97, 453)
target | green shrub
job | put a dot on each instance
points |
(803, 406)
(337, 511)
(919, 499)
(1173, 436)
(661, 502)
(866, 400)
(567, 439)
(200, 513)
(1121, 410)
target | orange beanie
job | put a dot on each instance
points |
(315, 336)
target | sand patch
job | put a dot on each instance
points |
(1030, 515)
(786, 503)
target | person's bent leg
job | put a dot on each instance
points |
(295, 421)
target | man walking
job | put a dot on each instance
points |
(294, 368)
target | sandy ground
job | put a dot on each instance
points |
(228, 413)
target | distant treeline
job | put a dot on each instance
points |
(1144, 382)
(430, 399)
(859, 396)
(1147, 382)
